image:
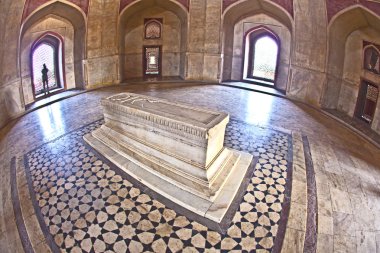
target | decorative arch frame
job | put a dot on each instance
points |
(125, 14)
(338, 27)
(247, 8)
(56, 41)
(73, 14)
(252, 36)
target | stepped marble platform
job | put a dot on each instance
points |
(174, 149)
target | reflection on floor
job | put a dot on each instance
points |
(53, 98)
(255, 87)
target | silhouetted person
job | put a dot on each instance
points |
(45, 78)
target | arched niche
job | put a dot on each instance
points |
(350, 33)
(173, 40)
(342, 25)
(247, 15)
(68, 21)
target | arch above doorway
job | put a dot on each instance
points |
(76, 18)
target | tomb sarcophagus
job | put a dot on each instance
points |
(174, 149)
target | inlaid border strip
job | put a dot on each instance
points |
(48, 237)
(25, 240)
(284, 216)
(310, 244)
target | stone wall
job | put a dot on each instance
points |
(102, 64)
(307, 77)
(11, 99)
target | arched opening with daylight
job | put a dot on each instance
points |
(247, 27)
(261, 56)
(61, 27)
(47, 51)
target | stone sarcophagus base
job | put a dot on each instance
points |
(174, 149)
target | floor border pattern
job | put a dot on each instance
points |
(25, 240)
(279, 241)
(310, 245)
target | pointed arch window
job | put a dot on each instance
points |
(372, 59)
(47, 51)
(261, 55)
(264, 58)
(153, 28)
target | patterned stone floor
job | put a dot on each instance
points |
(347, 167)
(86, 206)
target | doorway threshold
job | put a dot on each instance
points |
(256, 88)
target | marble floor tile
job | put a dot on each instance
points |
(344, 224)
(365, 241)
(294, 241)
(325, 225)
(325, 243)
(297, 216)
(344, 244)
(340, 201)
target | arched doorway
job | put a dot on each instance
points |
(153, 40)
(244, 25)
(62, 26)
(47, 51)
(261, 56)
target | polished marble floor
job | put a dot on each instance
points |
(347, 173)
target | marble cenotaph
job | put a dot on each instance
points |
(174, 149)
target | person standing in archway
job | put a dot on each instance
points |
(45, 83)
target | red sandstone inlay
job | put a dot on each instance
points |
(335, 6)
(286, 4)
(125, 3)
(32, 5)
